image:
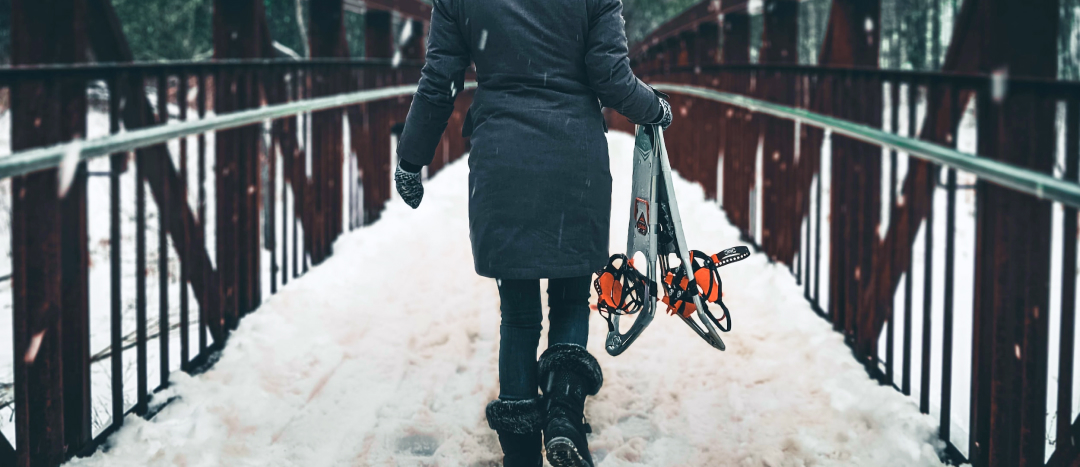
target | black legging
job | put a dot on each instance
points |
(568, 300)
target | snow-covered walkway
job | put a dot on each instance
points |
(386, 355)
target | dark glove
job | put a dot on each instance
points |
(409, 186)
(665, 114)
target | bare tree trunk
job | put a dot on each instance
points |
(302, 28)
(917, 46)
(935, 35)
(1067, 54)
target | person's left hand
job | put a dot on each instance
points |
(409, 186)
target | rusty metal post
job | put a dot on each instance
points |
(236, 35)
(49, 279)
(708, 44)
(673, 49)
(779, 45)
(738, 163)
(1012, 259)
(375, 161)
(327, 39)
(856, 167)
(707, 142)
(75, 262)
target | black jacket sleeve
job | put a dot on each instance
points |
(442, 78)
(610, 76)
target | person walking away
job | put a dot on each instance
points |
(539, 189)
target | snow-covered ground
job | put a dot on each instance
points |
(386, 355)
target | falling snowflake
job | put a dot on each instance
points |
(406, 33)
(999, 80)
(69, 165)
(483, 40)
(32, 349)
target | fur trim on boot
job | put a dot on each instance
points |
(575, 359)
(518, 424)
(518, 417)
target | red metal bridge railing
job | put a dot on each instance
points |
(223, 198)
(975, 321)
(235, 210)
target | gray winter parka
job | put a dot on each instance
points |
(539, 183)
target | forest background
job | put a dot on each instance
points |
(915, 33)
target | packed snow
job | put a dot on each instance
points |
(386, 354)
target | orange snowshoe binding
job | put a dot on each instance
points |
(626, 288)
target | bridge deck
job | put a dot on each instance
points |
(387, 354)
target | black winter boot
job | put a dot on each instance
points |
(568, 373)
(518, 426)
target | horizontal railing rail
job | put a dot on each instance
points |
(1037, 184)
(31, 160)
(100, 70)
(1042, 86)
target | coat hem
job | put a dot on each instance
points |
(577, 270)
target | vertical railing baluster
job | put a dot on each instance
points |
(204, 306)
(349, 153)
(285, 177)
(817, 217)
(1068, 284)
(163, 240)
(805, 249)
(796, 267)
(185, 335)
(836, 83)
(252, 189)
(987, 109)
(913, 118)
(890, 331)
(140, 259)
(297, 170)
(116, 318)
(950, 241)
(808, 259)
(309, 158)
(272, 86)
(928, 281)
(803, 102)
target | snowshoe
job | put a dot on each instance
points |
(655, 232)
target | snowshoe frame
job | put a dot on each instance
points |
(656, 232)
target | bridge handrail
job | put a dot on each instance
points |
(1041, 86)
(1023, 180)
(31, 160)
(108, 69)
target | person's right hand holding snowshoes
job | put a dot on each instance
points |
(665, 114)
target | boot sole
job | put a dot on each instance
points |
(562, 453)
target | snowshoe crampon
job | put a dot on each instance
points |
(655, 236)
